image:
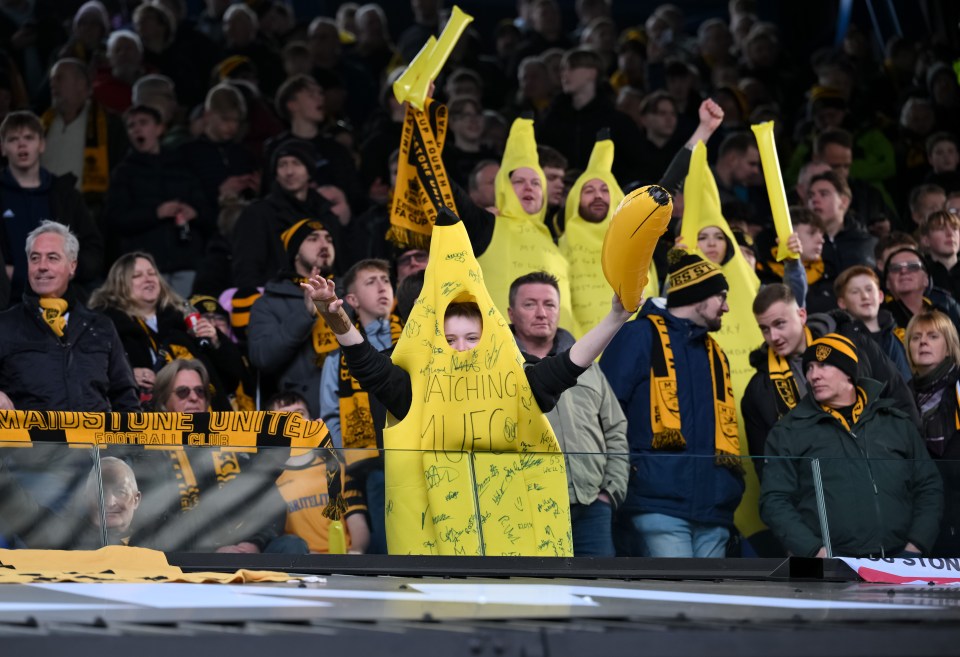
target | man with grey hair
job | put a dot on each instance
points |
(113, 85)
(82, 138)
(56, 354)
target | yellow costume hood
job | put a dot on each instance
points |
(582, 240)
(521, 241)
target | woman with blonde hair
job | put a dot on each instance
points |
(933, 350)
(149, 316)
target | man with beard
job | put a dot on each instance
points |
(258, 249)
(673, 381)
(287, 342)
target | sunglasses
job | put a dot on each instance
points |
(184, 391)
(906, 267)
(413, 257)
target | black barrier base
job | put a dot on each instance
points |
(792, 568)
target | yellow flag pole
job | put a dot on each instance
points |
(775, 188)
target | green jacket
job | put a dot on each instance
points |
(881, 489)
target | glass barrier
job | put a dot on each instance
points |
(888, 507)
(274, 498)
(51, 496)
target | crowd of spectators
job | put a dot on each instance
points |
(170, 179)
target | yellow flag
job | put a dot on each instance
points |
(773, 177)
(740, 333)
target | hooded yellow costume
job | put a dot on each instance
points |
(521, 241)
(474, 467)
(582, 242)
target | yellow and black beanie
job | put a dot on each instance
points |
(294, 236)
(240, 305)
(208, 306)
(834, 349)
(692, 279)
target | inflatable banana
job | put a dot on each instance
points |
(637, 224)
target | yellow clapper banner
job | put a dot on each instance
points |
(422, 183)
(739, 334)
(474, 468)
(775, 188)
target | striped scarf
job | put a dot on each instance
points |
(356, 422)
(665, 407)
(781, 375)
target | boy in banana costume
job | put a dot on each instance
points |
(472, 465)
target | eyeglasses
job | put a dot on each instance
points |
(419, 257)
(184, 391)
(900, 268)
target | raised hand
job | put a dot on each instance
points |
(322, 293)
(710, 114)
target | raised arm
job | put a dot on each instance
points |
(588, 348)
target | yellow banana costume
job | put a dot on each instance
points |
(582, 241)
(521, 242)
(740, 333)
(637, 224)
(474, 468)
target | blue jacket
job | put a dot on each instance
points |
(687, 484)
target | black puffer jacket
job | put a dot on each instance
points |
(84, 371)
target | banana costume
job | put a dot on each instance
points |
(521, 242)
(474, 468)
(582, 241)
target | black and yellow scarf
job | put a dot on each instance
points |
(813, 269)
(96, 164)
(665, 407)
(422, 185)
(54, 313)
(857, 410)
(781, 375)
(356, 422)
(902, 315)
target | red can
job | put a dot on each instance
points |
(191, 319)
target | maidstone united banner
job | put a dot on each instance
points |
(247, 430)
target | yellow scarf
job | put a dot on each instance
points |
(788, 394)
(858, 407)
(474, 468)
(54, 311)
(582, 243)
(422, 184)
(96, 165)
(665, 407)
(356, 422)
(521, 242)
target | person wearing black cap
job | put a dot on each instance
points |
(301, 102)
(673, 381)
(258, 251)
(286, 341)
(882, 494)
